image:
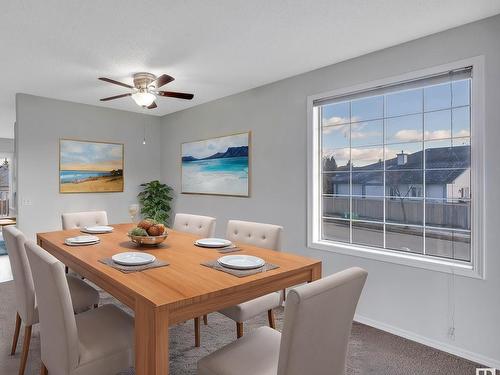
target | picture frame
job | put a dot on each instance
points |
(217, 166)
(90, 166)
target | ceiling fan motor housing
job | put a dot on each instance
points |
(143, 80)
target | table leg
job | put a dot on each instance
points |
(151, 339)
(316, 272)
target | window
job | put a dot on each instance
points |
(392, 169)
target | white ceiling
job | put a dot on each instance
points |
(58, 48)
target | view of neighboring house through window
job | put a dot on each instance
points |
(4, 187)
(395, 167)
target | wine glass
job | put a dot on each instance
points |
(133, 210)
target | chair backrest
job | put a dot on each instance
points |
(256, 234)
(203, 226)
(77, 220)
(58, 331)
(21, 272)
(318, 320)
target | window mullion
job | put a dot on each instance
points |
(424, 192)
(350, 172)
(383, 176)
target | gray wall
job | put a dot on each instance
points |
(6, 145)
(40, 124)
(409, 301)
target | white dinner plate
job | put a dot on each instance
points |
(241, 262)
(97, 229)
(81, 244)
(213, 242)
(81, 240)
(133, 258)
(69, 243)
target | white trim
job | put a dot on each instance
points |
(476, 268)
(439, 345)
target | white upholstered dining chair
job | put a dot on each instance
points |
(95, 342)
(262, 235)
(77, 220)
(83, 295)
(203, 227)
(309, 343)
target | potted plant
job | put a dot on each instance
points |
(155, 199)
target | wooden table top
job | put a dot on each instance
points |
(183, 282)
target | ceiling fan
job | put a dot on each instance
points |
(145, 89)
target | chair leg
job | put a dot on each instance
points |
(26, 349)
(96, 305)
(43, 370)
(16, 334)
(270, 317)
(239, 329)
(205, 319)
(197, 332)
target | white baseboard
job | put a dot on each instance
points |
(445, 347)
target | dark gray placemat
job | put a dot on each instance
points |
(239, 273)
(128, 269)
(226, 250)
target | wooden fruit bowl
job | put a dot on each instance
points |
(148, 240)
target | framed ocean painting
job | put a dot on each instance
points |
(90, 167)
(218, 166)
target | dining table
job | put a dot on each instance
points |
(182, 290)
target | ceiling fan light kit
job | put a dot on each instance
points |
(145, 89)
(143, 98)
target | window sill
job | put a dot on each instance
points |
(406, 259)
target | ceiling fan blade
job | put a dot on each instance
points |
(161, 80)
(152, 106)
(109, 80)
(115, 97)
(179, 95)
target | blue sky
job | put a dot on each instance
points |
(78, 155)
(202, 149)
(358, 123)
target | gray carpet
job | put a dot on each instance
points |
(371, 351)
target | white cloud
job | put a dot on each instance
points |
(408, 135)
(362, 135)
(335, 120)
(342, 129)
(437, 134)
(463, 133)
(356, 130)
(366, 154)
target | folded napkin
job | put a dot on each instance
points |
(239, 273)
(129, 269)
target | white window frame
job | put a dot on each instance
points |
(476, 267)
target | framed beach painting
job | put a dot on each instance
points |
(90, 167)
(217, 166)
